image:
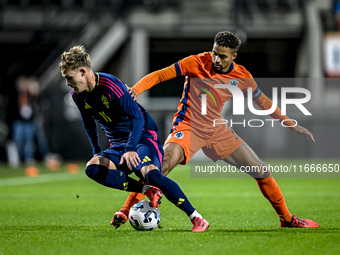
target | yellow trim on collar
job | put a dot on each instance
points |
(97, 79)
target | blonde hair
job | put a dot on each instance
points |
(74, 58)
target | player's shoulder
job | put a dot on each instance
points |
(202, 57)
(194, 64)
(104, 78)
(242, 71)
(110, 83)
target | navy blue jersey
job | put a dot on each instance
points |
(122, 119)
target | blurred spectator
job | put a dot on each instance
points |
(27, 132)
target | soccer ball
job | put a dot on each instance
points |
(143, 216)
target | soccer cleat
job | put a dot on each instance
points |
(299, 223)
(200, 225)
(155, 196)
(119, 218)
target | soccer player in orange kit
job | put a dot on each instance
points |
(188, 134)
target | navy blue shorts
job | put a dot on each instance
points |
(148, 150)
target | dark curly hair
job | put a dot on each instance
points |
(228, 39)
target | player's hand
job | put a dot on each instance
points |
(304, 131)
(133, 93)
(131, 158)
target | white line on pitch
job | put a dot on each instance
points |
(39, 179)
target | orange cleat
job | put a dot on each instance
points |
(119, 218)
(155, 196)
(200, 225)
(299, 223)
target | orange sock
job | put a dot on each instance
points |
(272, 192)
(133, 198)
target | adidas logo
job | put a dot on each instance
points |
(180, 201)
(146, 159)
(125, 184)
(87, 106)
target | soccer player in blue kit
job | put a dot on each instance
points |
(132, 133)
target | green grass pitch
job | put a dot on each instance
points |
(62, 213)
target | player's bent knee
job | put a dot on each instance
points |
(97, 173)
(148, 168)
(102, 175)
(169, 164)
(100, 160)
(92, 170)
(173, 155)
(94, 160)
(261, 172)
(165, 167)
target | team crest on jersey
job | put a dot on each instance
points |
(179, 135)
(234, 83)
(105, 101)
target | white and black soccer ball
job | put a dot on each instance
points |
(143, 216)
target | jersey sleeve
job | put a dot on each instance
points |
(250, 82)
(265, 103)
(183, 67)
(89, 125)
(262, 101)
(91, 130)
(188, 66)
(155, 78)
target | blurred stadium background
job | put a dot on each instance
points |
(130, 38)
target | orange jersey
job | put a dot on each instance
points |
(201, 79)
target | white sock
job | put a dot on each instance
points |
(195, 214)
(145, 188)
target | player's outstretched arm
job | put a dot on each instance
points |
(154, 78)
(265, 103)
(304, 131)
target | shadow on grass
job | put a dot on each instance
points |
(292, 230)
(264, 231)
(110, 229)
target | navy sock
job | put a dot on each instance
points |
(113, 178)
(171, 190)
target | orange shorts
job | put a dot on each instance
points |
(216, 144)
